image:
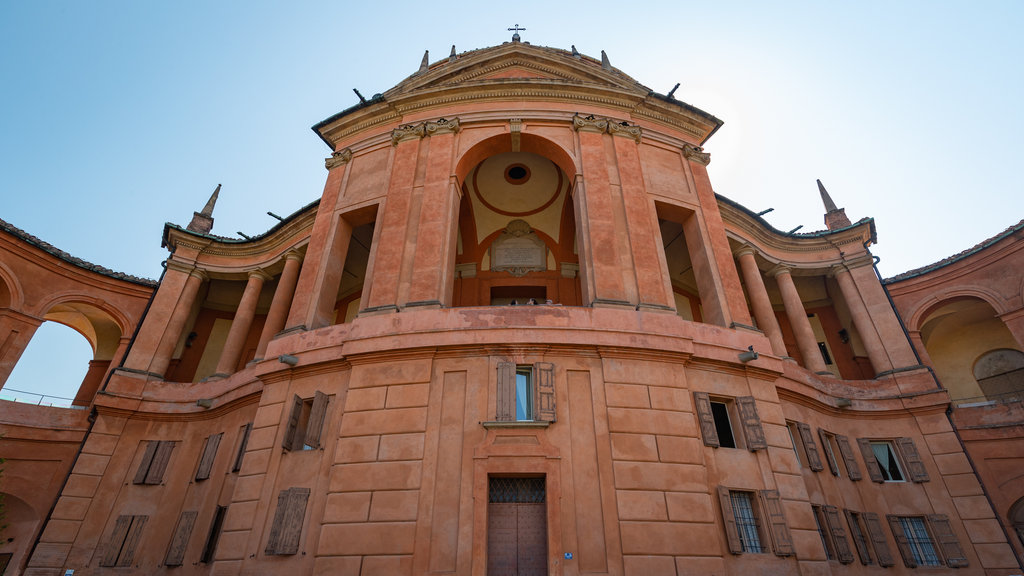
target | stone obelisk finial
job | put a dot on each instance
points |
(834, 217)
(425, 63)
(203, 221)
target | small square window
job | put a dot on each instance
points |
(524, 393)
(888, 463)
(723, 424)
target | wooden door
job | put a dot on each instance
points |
(517, 533)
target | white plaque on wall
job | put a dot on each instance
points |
(518, 250)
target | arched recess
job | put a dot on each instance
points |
(1000, 373)
(517, 226)
(1016, 518)
(957, 334)
(20, 523)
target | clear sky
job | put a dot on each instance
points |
(119, 116)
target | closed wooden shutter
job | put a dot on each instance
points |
(116, 541)
(544, 397)
(777, 522)
(902, 544)
(288, 442)
(315, 425)
(179, 542)
(707, 421)
(147, 461)
(878, 541)
(209, 455)
(242, 444)
(948, 542)
(732, 535)
(131, 543)
(912, 458)
(752, 430)
(160, 461)
(826, 445)
(813, 457)
(506, 392)
(288, 520)
(214, 535)
(852, 469)
(859, 538)
(870, 461)
(835, 527)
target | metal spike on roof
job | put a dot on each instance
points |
(575, 53)
(451, 57)
(425, 63)
(604, 61)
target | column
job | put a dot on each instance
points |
(240, 324)
(759, 300)
(799, 322)
(282, 301)
(179, 315)
(862, 321)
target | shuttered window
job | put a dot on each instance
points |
(749, 521)
(838, 534)
(179, 542)
(777, 527)
(878, 541)
(949, 545)
(886, 459)
(927, 541)
(857, 532)
(306, 422)
(243, 442)
(810, 448)
(214, 535)
(708, 428)
(124, 540)
(288, 521)
(716, 416)
(828, 447)
(154, 462)
(208, 456)
(846, 451)
(525, 393)
(912, 458)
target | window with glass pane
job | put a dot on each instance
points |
(920, 541)
(524, 394)
(887, 461)
(746, 521)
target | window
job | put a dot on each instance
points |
(857, 532)
(243, 442)
(885, 457)
(214, 535)
(716, 416)
(803, 445)
(154, 462)
(885, 460)
(123, 541)
(832, 533)
(927, 541)
(828, 444)
(306, 422)
(288, 520)
(826, 540)
(525, 392)
(751, 517)
(208, 456)
(179, 542)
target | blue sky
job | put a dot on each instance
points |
(119, 116)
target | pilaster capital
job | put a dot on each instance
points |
(696, 154)
(624, 129)
(441, 126)
(259, 273)
(589, 124)
(407, 132)
(780, 269)
(338, 158)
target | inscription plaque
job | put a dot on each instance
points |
(518, 250)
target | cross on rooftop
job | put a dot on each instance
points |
(516, 29)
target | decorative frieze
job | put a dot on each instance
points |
(442, 126)
(697, 154)
(338, 158)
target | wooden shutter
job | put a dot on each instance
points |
(288, 519)
(810, 448)
(288, 442)
(902, 544)
(132, 541)
(870, 461)
(878, 541)
(242, 444)
(835, 527)
(947, 540)
(179, 542)
(214, 535)
(707, 421)
(859, 539)
(506, 392)
(912, 458)
(777, 522)
(158, 465)
(732, 534)
(209, 455)
(852, 469)
(752, 430)
(116, 542)
(830, 457)
(147, 461)
(315, 425)
(544, 392)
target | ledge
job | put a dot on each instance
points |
(516, 424)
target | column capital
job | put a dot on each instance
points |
(294, 255)
(696, 154)
(407, 132)
(744, 250)
(338, 158)
(779, 269)
(259, 273)
(441, 126)
(624, 129)
(180, 266)
(589, 124)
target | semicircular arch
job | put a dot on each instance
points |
(924, 309)
(500, 143)
(11, 294)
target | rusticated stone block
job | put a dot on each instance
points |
(357, 449)
(367, 538)
(700, 565)
(347, 507)
(642, 447)
(660, 476)
(375, 476)
(690, 507)
(337, 565)
(394, 506)
(669, 538)
(649, 564)
(407, 396)
(394, 421)
(680, 449)
(641, 505)
(362, 399)
(401, 447)
(627, 396)
(387, 566)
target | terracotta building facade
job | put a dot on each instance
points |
(519, 333)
